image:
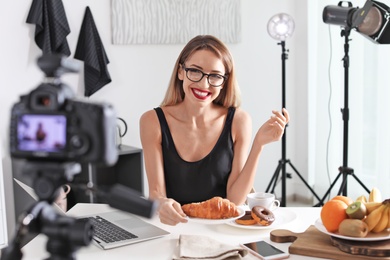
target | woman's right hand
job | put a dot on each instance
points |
(170, 212)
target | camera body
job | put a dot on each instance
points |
(48, 124)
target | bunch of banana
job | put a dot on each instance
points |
(374, 196)
(379, 219)
(373, 202)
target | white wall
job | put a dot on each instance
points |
(3, 226)
(140, 73)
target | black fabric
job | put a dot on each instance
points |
(51, 26)
(188, 182)
(90, 49)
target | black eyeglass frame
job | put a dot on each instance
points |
(204, 74)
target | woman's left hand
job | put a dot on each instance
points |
(272, 130)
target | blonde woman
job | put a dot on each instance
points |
(196, 143)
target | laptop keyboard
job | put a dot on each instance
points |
(108, 231)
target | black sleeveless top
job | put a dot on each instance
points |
(188, 182)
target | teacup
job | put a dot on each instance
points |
(264, 199)
(62, 200)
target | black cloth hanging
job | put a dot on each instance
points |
(90, 49)
(51, 26)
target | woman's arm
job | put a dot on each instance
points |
(240, 184)
(150, 134)
(244, 168)
(170, 211)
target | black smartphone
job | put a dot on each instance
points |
(265, 251)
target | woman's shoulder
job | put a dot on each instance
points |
(149, 117)
(242, 125)
(241, 116)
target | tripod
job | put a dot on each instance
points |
(344, 171)
(283, 161)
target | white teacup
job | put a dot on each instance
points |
(264, 199)
(62, 200)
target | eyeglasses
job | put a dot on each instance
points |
(195, 75)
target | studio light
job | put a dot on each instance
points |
(281, 26)
(371, 21)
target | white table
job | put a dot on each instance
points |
(163, 248)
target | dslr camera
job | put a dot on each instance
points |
(49, 125)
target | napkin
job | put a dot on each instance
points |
(51, 26)
(193, 247)
(90, 50)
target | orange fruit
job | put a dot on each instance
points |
(345, 199)
(332, 213)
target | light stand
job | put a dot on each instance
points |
(281, 26)
(283, 161)
(344, 171)
(371, 21)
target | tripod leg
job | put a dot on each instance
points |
(343, 184)
(321, 203)
(349, 171)
(361, 183)
(303, 180)
(275, 177)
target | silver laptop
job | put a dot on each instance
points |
(133, 229)
(139, 229)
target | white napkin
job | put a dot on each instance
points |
(205, 248)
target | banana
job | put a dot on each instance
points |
(388, 224)
(362, 198)
(382, 224)
(375, 195)
(387, 203)
(371, 206)
(374, 217)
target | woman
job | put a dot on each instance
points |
(196, 143)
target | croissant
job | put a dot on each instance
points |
(214, 208)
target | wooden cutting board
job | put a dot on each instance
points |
(315, 243)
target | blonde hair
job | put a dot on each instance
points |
(230, 93)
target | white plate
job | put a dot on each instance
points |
(217, 221)
(282, 216)
(384, 235)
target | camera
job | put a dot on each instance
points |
(48, 124)
(53, 134)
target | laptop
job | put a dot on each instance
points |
(132, 228)
(117, 228)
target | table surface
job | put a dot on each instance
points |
(163, 248)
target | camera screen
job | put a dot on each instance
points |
(41, 133)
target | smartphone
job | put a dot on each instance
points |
(265, 251)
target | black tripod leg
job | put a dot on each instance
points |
(349, 171)
(361, 183)
(328, 191)
(274, 178)
(343, 184)
(303, 180)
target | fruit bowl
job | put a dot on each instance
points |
(384, 235)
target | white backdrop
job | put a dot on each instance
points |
(140, 74)
(3, 220)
